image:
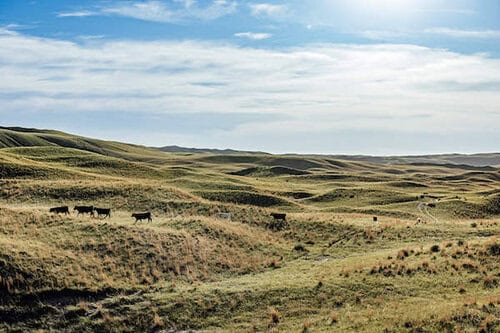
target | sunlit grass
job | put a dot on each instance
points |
(332, 269)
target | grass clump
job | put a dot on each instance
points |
(435, 248)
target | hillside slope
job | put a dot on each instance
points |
(11, 137)
(429, 263)
(22, 137)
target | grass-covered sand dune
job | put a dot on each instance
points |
(430, 263)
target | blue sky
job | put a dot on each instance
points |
(346, 76)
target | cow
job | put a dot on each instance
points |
(142, 216)
(60, 210)
(105, 212)
(279, 216)
(85, 210)
(375, 219)
(278, 222)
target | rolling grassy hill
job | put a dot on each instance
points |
(11, 137)
(331, 269)
(21, 137)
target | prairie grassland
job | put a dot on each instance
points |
(332, 269)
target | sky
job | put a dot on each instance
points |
(374, 77)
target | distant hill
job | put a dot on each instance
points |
(483, 159)
(11, 137)
(178, 149)
(478, 160)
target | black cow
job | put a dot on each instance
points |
(85, 210)
(105, 212)
(278, 222)
(142, 216)
(60, 210)
(279, 216)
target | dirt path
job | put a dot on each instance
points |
(424, 210)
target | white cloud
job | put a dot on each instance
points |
(217, 9)
(81, 13)
(155, 11)
(382, 34)
(267, 9)
(6, 31)
(186, 3)
(316, 88)
(447, 11)
(458, 33)
(159, 11)
(253, 35)
(90, 37)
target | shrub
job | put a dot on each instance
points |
(494, 249)
(403, 254)
(277, 225)
(334, 317)
(489, 282)
(274, 264)
(435, 248)
(275, 316)
(305, 327)
(300, 248)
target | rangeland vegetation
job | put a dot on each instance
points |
(330, 269)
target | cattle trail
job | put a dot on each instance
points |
(423, 209)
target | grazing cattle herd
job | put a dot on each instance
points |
(279, 219)
(101, 212)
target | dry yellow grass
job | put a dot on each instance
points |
(331, 269)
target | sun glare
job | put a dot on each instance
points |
(382, 12)
(396, 5)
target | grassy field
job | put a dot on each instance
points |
(430, 263)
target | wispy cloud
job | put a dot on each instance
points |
(253, 35)
(381, 34)
(267, 9)
(186, 3)
(317, 88)
(11, 28)
(80, 13)
(446, 32)
(155, 11)
(458, 11)
(90, 37)
(7, 32)
(458, 33)
(159, 11)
